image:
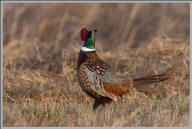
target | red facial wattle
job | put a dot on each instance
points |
(83, 34)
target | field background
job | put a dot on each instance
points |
(40, 52)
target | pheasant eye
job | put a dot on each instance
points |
(89, 34)
(83, 34)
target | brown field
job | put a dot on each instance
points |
(40, 52)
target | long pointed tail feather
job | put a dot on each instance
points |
(155, 78)
(150, 79)
(143, 84)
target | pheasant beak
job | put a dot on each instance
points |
(94, 31)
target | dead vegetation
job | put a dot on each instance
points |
(40, 51)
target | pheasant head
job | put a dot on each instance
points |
(88, 37)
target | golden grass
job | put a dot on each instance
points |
(40, 52)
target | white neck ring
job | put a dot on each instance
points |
(87, 49)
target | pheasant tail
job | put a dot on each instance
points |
(150, 79)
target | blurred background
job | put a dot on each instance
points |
(50, 28)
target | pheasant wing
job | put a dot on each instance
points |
(104, 82)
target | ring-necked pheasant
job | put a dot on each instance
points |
(96, 77)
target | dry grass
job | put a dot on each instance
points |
(40, 52)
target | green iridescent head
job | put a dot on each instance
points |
(88, 36)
